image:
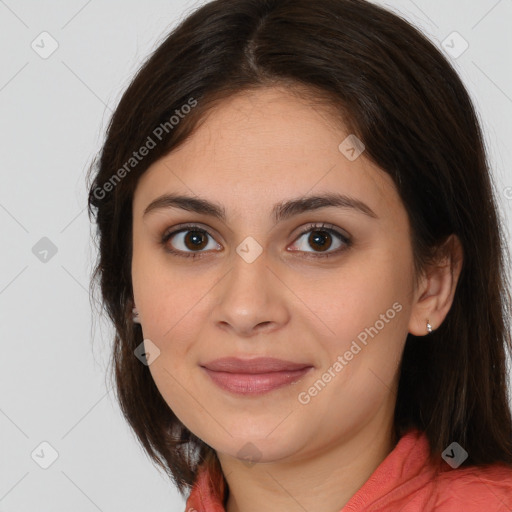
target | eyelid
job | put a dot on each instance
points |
(188, 227)
(175, 229)
(331, 228)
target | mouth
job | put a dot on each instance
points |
(254, 376)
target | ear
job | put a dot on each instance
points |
(434, 295)
(133, 313)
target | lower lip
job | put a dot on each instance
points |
(255, 383)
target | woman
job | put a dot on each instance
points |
(301, 253)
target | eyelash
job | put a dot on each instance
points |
(198, 254)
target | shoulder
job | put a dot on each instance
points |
(477, 488)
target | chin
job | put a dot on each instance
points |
(258, 444)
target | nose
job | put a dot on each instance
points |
(251, 300)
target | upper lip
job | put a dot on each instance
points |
(256, 365)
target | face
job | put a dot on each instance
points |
(263, 271)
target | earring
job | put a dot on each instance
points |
(429, 328)
(135, 313)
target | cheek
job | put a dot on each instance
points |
(174, 312)
(362, 358)
(365, 306)
(167, 294)
(174, 305)
(358, 294)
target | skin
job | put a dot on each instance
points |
(255, 150)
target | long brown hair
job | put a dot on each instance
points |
(399, 95)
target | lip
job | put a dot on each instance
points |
(254, 376)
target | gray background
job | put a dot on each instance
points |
(53, 113)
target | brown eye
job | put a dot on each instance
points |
(189, 241)
(195, 240)
(322, 240)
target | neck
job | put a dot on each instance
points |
(319, 482)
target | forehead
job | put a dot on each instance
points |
(264, 146)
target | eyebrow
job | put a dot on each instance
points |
(281, 211)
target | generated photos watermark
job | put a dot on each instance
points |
(150, 143)
(305, 397)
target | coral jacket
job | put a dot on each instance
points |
(405, 482)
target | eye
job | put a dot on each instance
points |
(188, 241)
(322, 239)
(192, 241)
